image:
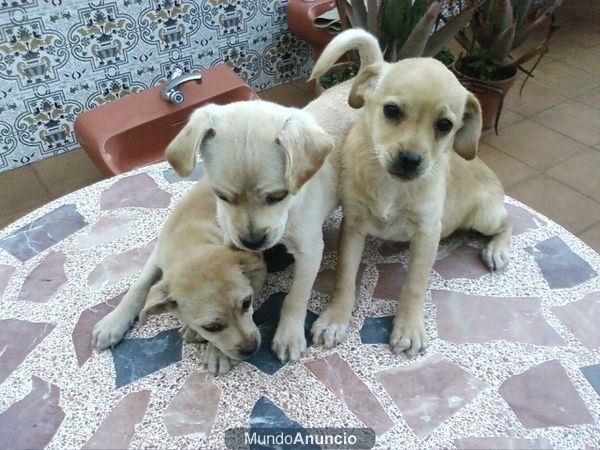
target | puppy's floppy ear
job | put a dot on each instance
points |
(306, 146)
(182, 151)
(254, 268)
(364, 82)
(466, 141)
(157, 302)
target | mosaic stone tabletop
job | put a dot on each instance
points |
(514, 358)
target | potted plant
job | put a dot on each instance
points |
(404, 28)
(497, 28)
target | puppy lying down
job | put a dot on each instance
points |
(207, 285)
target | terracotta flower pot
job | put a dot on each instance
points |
(490, 94)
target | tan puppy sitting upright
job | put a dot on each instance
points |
(208, 286)
(401, 180)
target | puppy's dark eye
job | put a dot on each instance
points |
(276, 197)
(222, 197)
(214, 327)
(391, 111)
(443, 125)
(246, 303)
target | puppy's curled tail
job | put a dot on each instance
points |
(353, 39)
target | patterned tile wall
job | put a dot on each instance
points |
(61, 57)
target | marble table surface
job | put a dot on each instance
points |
(514, 359)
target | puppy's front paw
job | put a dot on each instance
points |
(330, 328)
(408, 336)
(110, 330)
(215, 361)
(289, 342)
(495, 255)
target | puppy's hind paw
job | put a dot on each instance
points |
(495, 256)
(408, 336)
(288, 343)
(327, 331)
(216, 362)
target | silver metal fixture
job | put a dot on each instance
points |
(170, 91)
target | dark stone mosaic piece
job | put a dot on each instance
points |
(592, 374)
(463, 318)
(172, 177)
(277, 258)
(82, 332)
(194, 408)
(107, 229)
(42, 233)
(18, 338)
(117, 430)
(501, 443)
(544, 396)
(338, 376)
(33, 421)
(390, 248)
(45, 280)
(376, 330)
(5, 274)
(136, 358)
(266, 317)
(266, 414)
(560, 266)
(330, 239)
(136, 190)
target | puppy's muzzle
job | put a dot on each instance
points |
(406, 165)
(248, 349)
(253, 241)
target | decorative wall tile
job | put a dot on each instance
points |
(116, 267)
(45, 280)
(117, 430)
(562, 268)
(57, 60)
(136, 190)
(18, 338)
(37, 236)
(465, 318)
(194, 408)
(83, 330)
(544, 396)
(430, 392)
(32, 421)
(582, 318)
(136, 358)
(266, 318)
(338, 376)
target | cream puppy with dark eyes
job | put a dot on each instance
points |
(409, 172)
(207, 285)
(274, 173)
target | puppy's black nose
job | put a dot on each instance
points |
(253, 241)
(410, 158)
(248, 349)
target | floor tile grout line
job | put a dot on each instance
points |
(595, 224)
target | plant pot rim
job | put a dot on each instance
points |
(457, 71)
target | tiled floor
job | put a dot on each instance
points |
(547, 154)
